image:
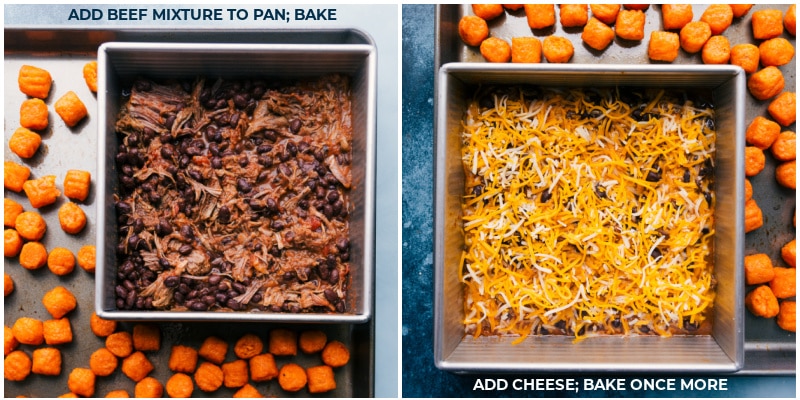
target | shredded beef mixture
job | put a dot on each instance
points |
(234, 195)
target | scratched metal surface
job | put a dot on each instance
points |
(63, 54)
(769, 349)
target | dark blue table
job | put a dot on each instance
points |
(420, 377)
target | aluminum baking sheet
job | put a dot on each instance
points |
(769, 350)
(63, 53)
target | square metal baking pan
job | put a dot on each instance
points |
(722, 351)
(120, 62)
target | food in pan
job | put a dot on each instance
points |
(766, 83)
(745, 55)
(597, 35)
(753, 217)
(180, 385)
(263, 367)
(10, 343)
(784, 108)
(101, 327)
(335, 354)
(234, 373)
(119, 393)
(81, 381)
(762, 302)
(786, 174)
(8, 284)
(473, 30)
(676, 16)
(758, 269)
(146, 337)
(120, 343)
(557, 49)
(70, 108)
(663, 46)
(57, 331)
(573, 15)
(607, 13)
(61, 261)
(148, 388)
(292, 377)
(775, 52)
(526, 50)
(630, 25)
(103, 362)
(762, 132)
(14, 175)
(790, 19)
(540, 16)
(41, 191)
(739, 10)
(495, 50)
(90, 75)
(718, 17)
(754, 161)
(588, 212)
(787, 315)
(16, 366)
(208, 377)
(71, 218)
(33, 114)
(717, 50)
(282, 342)
(86, 258)
(234, 195)
(213, 349)
(694, 35)
(312, 341)
(767, 24)
(488, 11)
(789, 253)
(783, 285)
(46, 361)
(59, 301)
(248, 346)
(247, 391)
(785, 146)
(24, 142)
(11, 209)
(32, 256)
(136, 366)
(640, 7)
(12, 243)
(320, 379)
(76, 184)
(34, 81)
(28, 330)
(183, 359)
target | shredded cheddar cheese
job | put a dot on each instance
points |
(584, 214)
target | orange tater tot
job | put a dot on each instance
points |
(718, 16)
(473, 30)
(496, 50)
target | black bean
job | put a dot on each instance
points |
(179, 297)
(331, 296)
(243, 161)
(216, 162)
(295, 125)
(332, 196)
(653, 176)
(687, 176)
(257, 298)
(239, 287)
(264, 148)
(644, 329)
(233, 305)
(240, 100)
(327, 209)
(243, 185)
(130, 299)
(163, 228)
(171, 281)
(185, 249)
(186, 232)
(169, 121)
(656, 254)
(292, 149)
(285, 170)
(345, 256)
(209, 300)
(197, 305)
(121, 291)
(278, 225)
(272, 205)
(334, 276)
(342, 243)
(140, 303)
(224, 214)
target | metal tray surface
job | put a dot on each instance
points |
(63, 55)
(769, 350)
(121, 62)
